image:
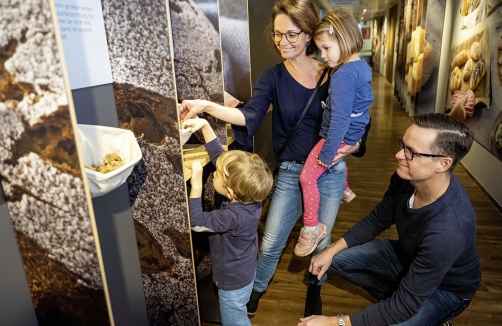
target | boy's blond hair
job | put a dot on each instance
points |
(246, 174)
(341, 26)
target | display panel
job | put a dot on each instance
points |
(138, 37)
(41, 172)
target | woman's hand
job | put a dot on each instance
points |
(189, 108)
(318, 321)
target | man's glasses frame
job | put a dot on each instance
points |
(408, 151)
(292, 37)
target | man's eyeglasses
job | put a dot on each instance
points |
(292, 37)
(409, 154)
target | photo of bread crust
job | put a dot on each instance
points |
(455, 79)
(468, 67)
(460, 59)
(476, 51)
(478, 73)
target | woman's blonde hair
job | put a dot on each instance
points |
(246, 174)
(342, 27)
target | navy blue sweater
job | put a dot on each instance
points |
(437, 247)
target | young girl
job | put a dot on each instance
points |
(345, 116)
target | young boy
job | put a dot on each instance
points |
(245, 179)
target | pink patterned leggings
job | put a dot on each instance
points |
(308, 179)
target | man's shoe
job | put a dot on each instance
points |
(252, 305)
(313, 302)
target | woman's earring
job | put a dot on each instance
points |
(308, 43)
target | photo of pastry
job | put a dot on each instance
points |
(470, 62)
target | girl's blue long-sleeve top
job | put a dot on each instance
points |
(346, 115)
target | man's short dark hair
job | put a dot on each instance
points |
(453, 138)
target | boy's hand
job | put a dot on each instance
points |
(194, 124)
(196, 180)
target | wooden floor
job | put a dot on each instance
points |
(369, 177)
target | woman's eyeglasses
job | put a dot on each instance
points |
(409, 154)
(292, 37)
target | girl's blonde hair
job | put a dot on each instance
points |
(342, 27)
(247, 174)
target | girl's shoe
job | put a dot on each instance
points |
(348, 195)
(308, 241)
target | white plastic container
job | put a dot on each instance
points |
(96, 142)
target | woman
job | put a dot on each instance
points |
(287, 86)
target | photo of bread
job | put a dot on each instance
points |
(497, 136)
(475, 51)
(455, 79)
(478, 73)
(470, 64)
(464, 9)
(468, 67)
(499, 60)
(492, 5)
(460, 59)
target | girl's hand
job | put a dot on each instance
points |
(321, 163)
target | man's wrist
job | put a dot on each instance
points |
(341, 321)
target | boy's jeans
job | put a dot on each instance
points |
(233, 309)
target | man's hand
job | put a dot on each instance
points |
(318, 321)
(320, 263)
(189, 108)
(196, 180)
(194, 124)
(344, 151)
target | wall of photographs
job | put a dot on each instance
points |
(418, 53)
(474, 92)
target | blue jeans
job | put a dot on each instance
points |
(233, 309)
(375, 267)
(285, 209)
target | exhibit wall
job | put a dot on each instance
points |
(144, 88)
(475, 72)
(41, 172)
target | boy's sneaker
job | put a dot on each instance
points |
(308, 240)
(348, 195)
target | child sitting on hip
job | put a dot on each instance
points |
(245, 179)
(345, 116)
